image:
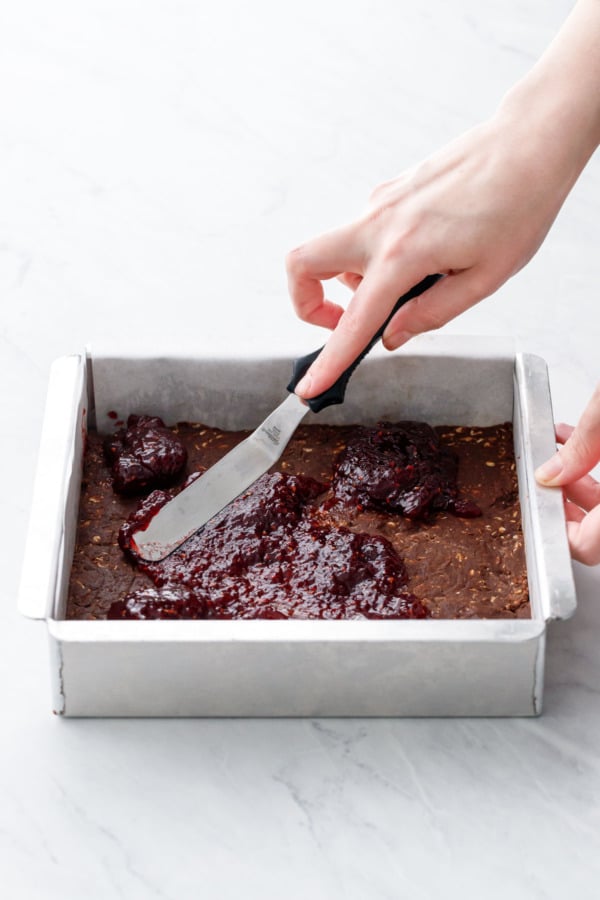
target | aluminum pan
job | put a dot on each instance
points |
(458, 649)
(434, 382)
(552, 586)
(273, 671)
(56, 487)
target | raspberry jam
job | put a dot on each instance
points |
(152, 603)
(144, 455)
(401, 468)
(269, 554)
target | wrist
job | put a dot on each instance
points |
(556, 128)
(556, 105)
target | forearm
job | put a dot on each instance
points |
(558, 102)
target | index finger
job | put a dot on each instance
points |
(333, 253)
(579, 453)
(367, 311)
(584, 538)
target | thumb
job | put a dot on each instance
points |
(579, 454)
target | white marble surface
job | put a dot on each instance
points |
(157, 159)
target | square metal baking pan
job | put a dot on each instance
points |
(297, 668)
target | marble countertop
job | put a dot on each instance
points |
(157, 162)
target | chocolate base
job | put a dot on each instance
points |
(458, 567)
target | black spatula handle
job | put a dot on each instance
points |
(337, 391)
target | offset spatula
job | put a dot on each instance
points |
(191, 508)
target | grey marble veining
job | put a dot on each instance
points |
(157, 161)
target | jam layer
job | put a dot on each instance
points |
(267, 555)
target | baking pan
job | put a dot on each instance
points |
(297, 668)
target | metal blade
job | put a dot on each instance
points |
(189, 510)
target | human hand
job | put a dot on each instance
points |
(476, 211)
(569, 468)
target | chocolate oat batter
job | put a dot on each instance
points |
(446, 561)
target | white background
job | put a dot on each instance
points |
(157, 160)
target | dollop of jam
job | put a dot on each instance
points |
(163, 603)
(268, 555)
(144, 455)
(400, 467)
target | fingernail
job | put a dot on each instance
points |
(549, 471)
(395, 340)
(303, 386)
